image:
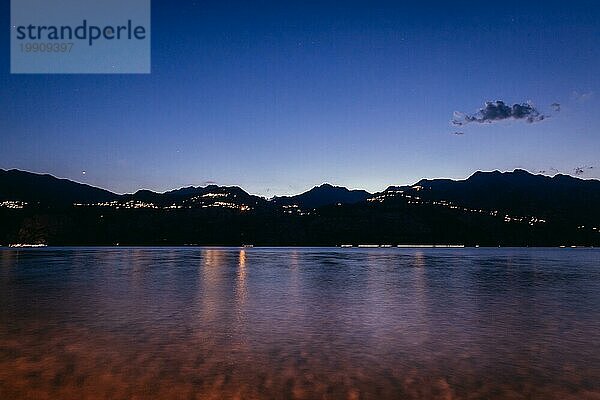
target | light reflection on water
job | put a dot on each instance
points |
(204, 323)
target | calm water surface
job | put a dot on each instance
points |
(226, 323)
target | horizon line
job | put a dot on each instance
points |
(306, 190)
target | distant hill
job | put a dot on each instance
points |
(520, 192)
(34, 188)
(197, 196)
(489, 208)
(46, 189)
(324, 195)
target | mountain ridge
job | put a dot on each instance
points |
(322, 195)
(191, 189)
(488, 208)
(46, 187)
(513, 192)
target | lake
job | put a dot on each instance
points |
(299, 323)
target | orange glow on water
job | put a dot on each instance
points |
(298, 324)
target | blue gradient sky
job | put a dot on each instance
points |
(279, 97)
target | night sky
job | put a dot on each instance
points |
(279, 97)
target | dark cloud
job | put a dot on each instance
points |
(495, 111)
(458, 133)
(555, 106)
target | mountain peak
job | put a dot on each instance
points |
(326, 185)
(324, 194)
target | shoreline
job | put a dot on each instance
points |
(249, 248)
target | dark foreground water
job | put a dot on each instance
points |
(200, 323)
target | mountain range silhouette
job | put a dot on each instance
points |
(488, 208)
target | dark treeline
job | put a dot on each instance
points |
(328, 226)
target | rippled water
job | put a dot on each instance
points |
(200, 323)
